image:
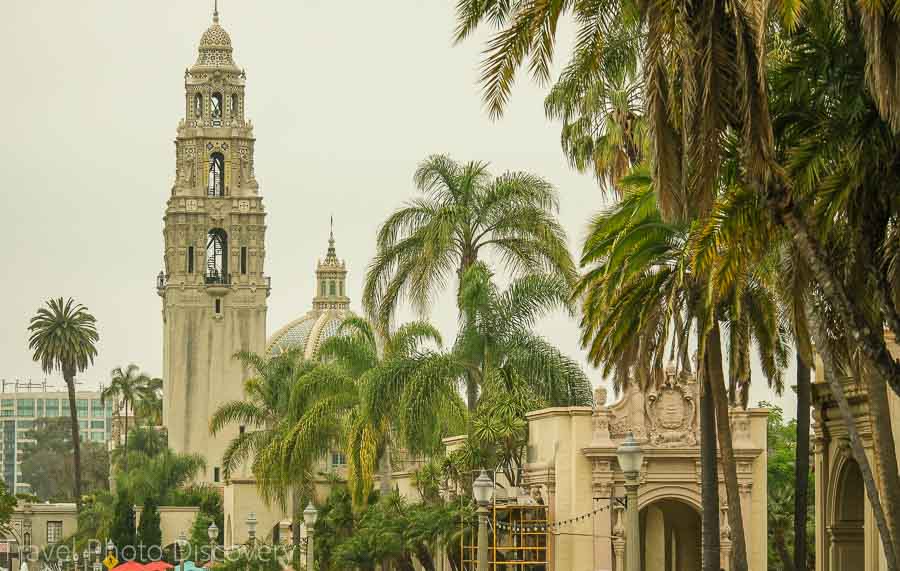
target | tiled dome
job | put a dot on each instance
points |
(215, 46)
(215, 36)
(307, 333)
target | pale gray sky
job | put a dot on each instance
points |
(346, 98)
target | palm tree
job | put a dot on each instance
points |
(128, 387)
(465, 212)
(263, 412)
(496, 343)
(64, 338)
(405, 391)
(149, 407)
(641, 290)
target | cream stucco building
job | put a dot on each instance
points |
(572, 465)
(846, 536)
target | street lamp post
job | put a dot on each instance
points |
(181, 546)
(483, 490)
(310, 515)
(251, 528)
(96, 557)
(85, 559)
(213, 532)
(631, 457)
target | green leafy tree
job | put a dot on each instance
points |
(64, 338)
(122, 530)
(48, 465)
(7, 506)
(150, 529)
(465, 213)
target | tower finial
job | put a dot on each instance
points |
(215, 11)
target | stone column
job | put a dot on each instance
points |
(618, 539)
(725, 540)
(603, 533)
(745, 490)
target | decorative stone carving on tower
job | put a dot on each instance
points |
(213, 285)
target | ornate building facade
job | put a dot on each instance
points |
(572, 464)
(213, 285)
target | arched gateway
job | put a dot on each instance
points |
(572, 462)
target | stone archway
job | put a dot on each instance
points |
(670, 534)
(847, 519)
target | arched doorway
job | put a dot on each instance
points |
(670, 534)
(846, 526)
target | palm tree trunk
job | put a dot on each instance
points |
(870, 341)
(801, 464)
(782, 550)
(125, 457)
(709, 475)
(729, 465)
(76, 437)
(856, 447)
(386, 469)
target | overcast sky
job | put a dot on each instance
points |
(346, 99)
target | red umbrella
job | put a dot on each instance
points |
(130, 566)
(156, 566)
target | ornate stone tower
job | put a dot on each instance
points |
(213, 287)
(331, 277)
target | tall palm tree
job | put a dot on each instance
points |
(640, 291)
(465, 212)
(64, 338)
(149, 408)
(128, 386)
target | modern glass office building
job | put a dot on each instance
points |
(19, 409)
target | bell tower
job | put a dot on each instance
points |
(213, 286)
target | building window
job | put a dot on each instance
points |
(216, 183)
(216, 474)
(218, 306)
(243, 259)
(242, 429)
(217, 257)
(322, 289)
(332, 289)
(25, 407)
(215, 109)
(54, 532)
(82, 406)
(190, 260)
(338, 459)
(52, 407)
(98, 424)
(198, 106)
(96, 408)
(27, 539)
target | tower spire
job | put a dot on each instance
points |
(215, 11)
(332, 252)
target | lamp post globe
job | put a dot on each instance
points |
(631, 458)
(213, 533)
(110, 546)
(310, 515)
(483, 491)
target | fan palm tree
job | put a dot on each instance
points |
(127, 388)
(465, 213)
(149, 407)
(64, 338)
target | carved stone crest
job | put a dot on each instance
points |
(671, 410)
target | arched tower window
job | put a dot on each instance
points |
(322, 289)
(235, 112)
(217, 257)
(332, 290)
(198, 106)
(216, 184)
(215, 110)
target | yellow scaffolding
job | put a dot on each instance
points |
(519, 539)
